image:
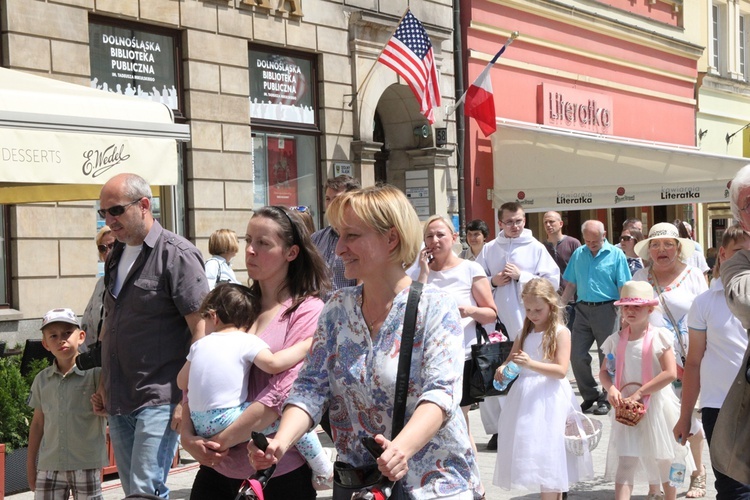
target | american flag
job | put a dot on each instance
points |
(409, 53)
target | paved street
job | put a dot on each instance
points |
(181, 478)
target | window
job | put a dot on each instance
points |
(743, 48)
(715, 34)
(284, 170)
(134, 59)
(283, 108)
(143, 61)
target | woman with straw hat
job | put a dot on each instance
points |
(675, 285)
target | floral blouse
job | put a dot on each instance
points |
(355, 375)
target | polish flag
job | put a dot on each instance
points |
(480, 103)
(478, 100)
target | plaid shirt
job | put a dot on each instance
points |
(326, 240)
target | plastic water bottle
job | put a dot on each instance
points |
(510, 372)
(610, 361)
(677, 471)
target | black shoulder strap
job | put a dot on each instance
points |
(404, 357)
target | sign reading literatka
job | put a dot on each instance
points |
(575, 109)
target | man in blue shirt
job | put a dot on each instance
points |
(596, 272)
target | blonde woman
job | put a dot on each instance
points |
(353, 362)
(463, 280)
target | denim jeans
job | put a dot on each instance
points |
(144, 446)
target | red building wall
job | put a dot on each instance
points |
(651, 88)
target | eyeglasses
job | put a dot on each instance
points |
(105, 248)
(658, 245)
(117, 210)
(511, 223)
(299, 208)
(626, 238)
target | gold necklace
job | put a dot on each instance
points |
(380, 317)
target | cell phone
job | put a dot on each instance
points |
(372, 446)
(430, 258)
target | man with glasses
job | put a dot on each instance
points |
(155, 283)
(596, 272)
(512, 259)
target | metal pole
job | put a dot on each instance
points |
(460, 124)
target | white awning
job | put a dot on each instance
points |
(546, 168)
(60, 141)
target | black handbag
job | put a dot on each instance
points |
(486, 357)
(356, 482)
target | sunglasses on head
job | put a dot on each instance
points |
(117, 210)
(299, 208)
(626, 238)
(105, 248)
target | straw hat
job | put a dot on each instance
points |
(665, 230)
(637, 293)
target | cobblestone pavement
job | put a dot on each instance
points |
(181, 478)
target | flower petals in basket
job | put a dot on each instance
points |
(581, 431)
(630, 412)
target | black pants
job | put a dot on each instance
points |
(726, 487)
(211, 485)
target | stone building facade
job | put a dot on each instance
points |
(216, 65)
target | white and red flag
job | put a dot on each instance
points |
(479, 102)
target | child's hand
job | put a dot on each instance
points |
(499, 373)
(521, 358)
(637, 395)
(614, 397)
(97, 402)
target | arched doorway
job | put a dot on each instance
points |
(396, 118)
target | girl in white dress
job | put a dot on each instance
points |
(645, 366)
(531, 438)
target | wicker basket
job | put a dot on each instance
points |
(630, 411)
(574, 441)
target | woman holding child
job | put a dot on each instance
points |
(288, 275)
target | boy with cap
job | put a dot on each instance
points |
(65, 434)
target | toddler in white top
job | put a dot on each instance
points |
(218, 365)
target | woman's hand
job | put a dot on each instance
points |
(681, 430)
(206, 452)
(467, 311)
(614, 397)
(260, 459)
(392, 463)
(521, 358)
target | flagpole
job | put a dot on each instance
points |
(367, 76)
(449, 110)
